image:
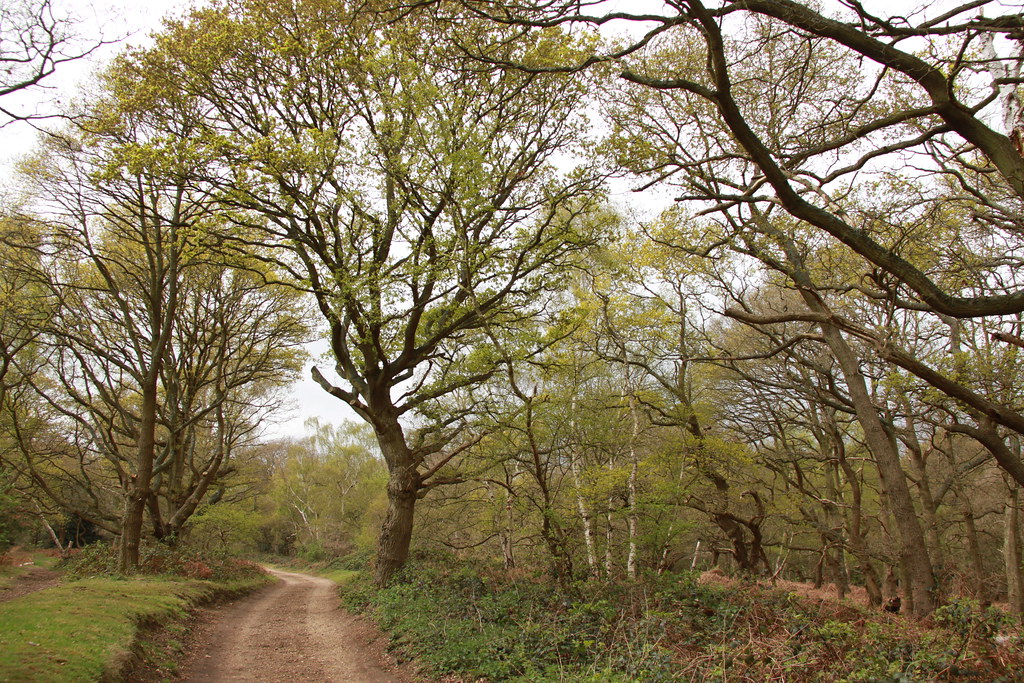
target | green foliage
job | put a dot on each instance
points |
(668, 628)
(223, 527)
(521, 630)
(313, 551)
(157, 559)
(967, 619)
(326, 497)
(8, 513)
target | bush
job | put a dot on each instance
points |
(157, 559)
(312, 551)
(223, 527)
(472, 623)
(498, 629)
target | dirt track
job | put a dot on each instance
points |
(291, 631)
(35, 579)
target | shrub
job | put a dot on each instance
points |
(155, 558)
(473, 623)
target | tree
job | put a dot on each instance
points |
(328, 487)
(21, 307)
(653, 317)
(114, 273)
(236, 343)
(159, 348)
(34, 43)
(835, 116)
(409, 191)
(782, 252)
(814, 106)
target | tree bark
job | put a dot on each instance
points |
(974, 547)
(1012, 552)
(609, 538)
(403, 488)
(138, 489)
(631, 491)
(913, 550)
(855, 526)
(581, 505)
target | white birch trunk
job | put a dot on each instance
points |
(631, 491)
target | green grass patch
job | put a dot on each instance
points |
(8, 575)
(46, 560)
(87, 630)
(342, 577)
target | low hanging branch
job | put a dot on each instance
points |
(887, 351)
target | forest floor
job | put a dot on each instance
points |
(24, 576)
(32, 580)
(292, 630)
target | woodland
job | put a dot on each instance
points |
(610, 294)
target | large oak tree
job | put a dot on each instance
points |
(415, 194)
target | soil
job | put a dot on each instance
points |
(34, 579)
(293, 630)
(826, 593)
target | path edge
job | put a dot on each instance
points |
(136, 663)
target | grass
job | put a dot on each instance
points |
(342, 577)
(8, 575)
(89, 630)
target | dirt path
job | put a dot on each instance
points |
(291, 631)
(35, 579)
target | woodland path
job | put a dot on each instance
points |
(293, 630)
(35, 579)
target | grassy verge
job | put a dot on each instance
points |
(472, 625)
(89, 629)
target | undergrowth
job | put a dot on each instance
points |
(156, 559)
(468, 624)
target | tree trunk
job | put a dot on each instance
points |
(403, 487)
(631, 491)
(891, 588)
(131, 529)
(919, 462)
(907, 580)
(855, 527)
(974, 547)
(913, 549)
(1012, 552)
(581, 505)
(609, 538)
(156, 519)
(187, 507)
(507, 546)
(504, 524)
(588, 525)
(138, 489)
